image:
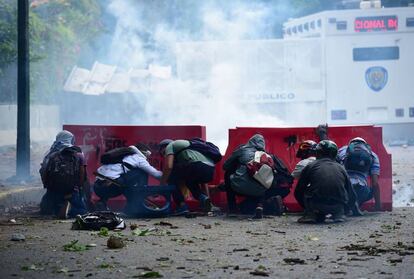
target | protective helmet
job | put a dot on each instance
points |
(306, 149)
(327, 148)
(358, 139)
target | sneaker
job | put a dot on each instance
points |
(205, 203)
(276, 205)
(64, 210)
(258, 213)
(180, 211)
(308, 219)
(338, 218)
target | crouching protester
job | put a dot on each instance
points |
(307, 154)
(361, 162)
(190, 163)
(63, 173)
(124, 170)
(324, 187)
(250, 173)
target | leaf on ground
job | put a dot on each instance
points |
(63, 270)
(104, 231)
(105, 265)
(31, 267)
(74, 247)
(311, 238)
(139, 232)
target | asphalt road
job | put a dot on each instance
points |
(378, 245)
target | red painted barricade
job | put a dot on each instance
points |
(277, 143)
(97, 139)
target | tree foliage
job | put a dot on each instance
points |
(58, 30)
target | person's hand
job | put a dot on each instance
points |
(322, 131)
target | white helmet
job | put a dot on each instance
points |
(358, 139)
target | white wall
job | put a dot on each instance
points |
(44, 122)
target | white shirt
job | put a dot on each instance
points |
(137, 160)
(301, 165)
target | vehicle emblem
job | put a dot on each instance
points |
(376, 78)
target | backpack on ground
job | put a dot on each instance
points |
(62, 170)
(208, 149)
(282, 178)
(358, 157)
(261, 168)
(115, 156)
(98, 220)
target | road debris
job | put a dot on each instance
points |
(74, 247)
(148, 274)
(260, 271)
(293, 261)
(17, 237)
(115, 242)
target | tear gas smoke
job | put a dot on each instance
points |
(211, 100)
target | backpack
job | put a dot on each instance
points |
(98, 220)
(261, 168)
(115, 156)
(283, 178)
(208, 149)
(62, 170)
(358, 157)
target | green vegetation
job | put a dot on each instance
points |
(58, 29)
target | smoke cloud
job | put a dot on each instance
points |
(212, 99)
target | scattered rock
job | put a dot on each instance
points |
(260, 271)
(398, 260)
(293, 261)
(206, 226)
(18, 237)
(115, 242)
(240, 250)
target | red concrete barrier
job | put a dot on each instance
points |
(276, 142)
(97, 139)
(94, 140)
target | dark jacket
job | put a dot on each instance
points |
(325, 181)
(241, 182)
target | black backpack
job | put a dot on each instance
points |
(62, 170)
(282, 176)
(208, 149)
(358, 157)
(115, 156)
(98, 220)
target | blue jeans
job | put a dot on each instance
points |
(52, 202)
(130, 181)
(363, 193)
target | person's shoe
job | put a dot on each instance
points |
(258, 213)
(64, 210)
(205, 203)
(180, 211)
(356, 211)
(277, 205)
(338, 218)
(308, 219)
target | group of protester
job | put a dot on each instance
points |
(331, 183)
